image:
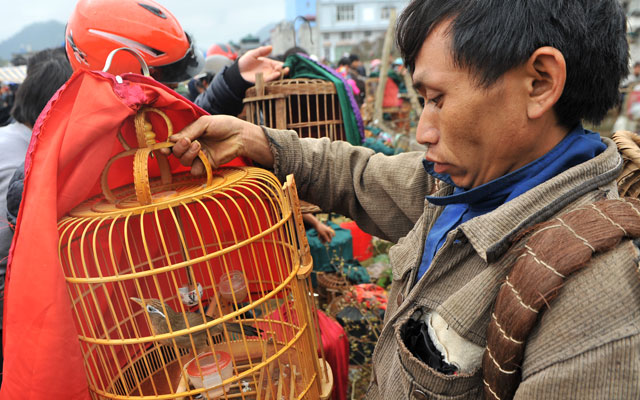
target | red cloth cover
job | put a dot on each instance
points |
(72, 141)
(361, 241)
(336, 351)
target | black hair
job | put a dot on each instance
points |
(344, 61)
(47, 70)
(493, 36)
(44, 55)
(353, 57)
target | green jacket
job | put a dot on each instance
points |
(586, 346)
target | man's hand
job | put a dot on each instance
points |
(222, 138)
(255, 61)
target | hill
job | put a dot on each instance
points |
(34, 37)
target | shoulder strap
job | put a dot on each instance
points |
(629, 179)
(556, 249)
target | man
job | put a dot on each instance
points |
(506, 86)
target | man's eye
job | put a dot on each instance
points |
(435, 100)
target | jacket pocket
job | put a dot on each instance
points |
(420, 381)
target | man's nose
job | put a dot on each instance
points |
(427, 131)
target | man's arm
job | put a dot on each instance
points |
(226, 92)
(385, 195)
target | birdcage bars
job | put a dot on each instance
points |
(99, 293)
(175, 240)
(308, 106)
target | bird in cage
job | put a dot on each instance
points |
(161, 322)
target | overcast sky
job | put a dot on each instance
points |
(210, 21)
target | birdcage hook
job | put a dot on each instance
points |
(304, 20)
(143, 63)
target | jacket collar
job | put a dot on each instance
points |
(493, 233)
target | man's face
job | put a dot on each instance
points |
(474, 134)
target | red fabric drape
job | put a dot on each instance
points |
(72, 141)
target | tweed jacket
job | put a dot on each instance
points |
(586, 346)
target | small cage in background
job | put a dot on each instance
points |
(310, 107)
(184, 287)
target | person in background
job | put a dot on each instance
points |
(359, 75)
(97, 27)
(227, 89)
(217, 58)
(6, 102)
(356, 65)
(47, 71)
(213, 65)
(633, 77)
(507, 85)
(344, 70)
(325, 232)
(374, 66)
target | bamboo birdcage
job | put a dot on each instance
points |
(310, 107)
(179, 239)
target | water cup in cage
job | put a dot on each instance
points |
(189, 296)
(232, 284)
(205, 371)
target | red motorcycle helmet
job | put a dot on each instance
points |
(97, 27)
(222, 50)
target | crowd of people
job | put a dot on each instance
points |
(506, 87)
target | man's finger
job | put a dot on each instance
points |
(197, 169)
(263, 51)
(181, 146)
(190, 154)
(194, 130)
(272, 76)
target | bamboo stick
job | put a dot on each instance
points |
(384, 67)
(293, 382)
(261, 376)
(280, 385)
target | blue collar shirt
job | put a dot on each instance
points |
(577, 147)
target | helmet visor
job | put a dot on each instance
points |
(185, 68)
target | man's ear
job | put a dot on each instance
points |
(547, 73)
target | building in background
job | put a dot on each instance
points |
(298, 29)
(249, 42)
(297, 8)
(345, 24)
